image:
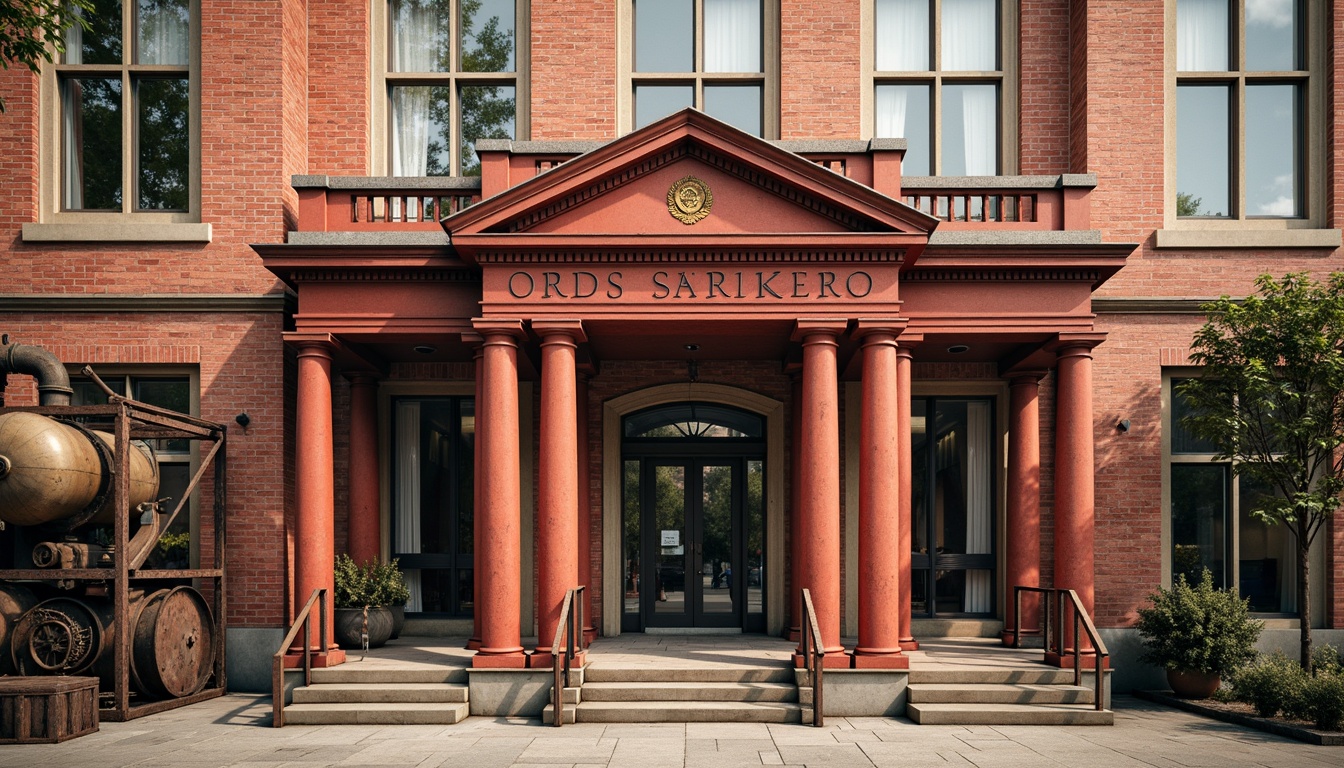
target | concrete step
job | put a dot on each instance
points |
(417, 713)
(665, 691)
(597, 673)
(1004, 693)
(688, 712)
(1008, 714)
(548, 714)
(354, 673)
(1039, 676)
(367, 693)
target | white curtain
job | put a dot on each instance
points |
(970, 36)
(164, 32)
(891, 112)
(72, 139)
(408, 493)
(732, 35)
(902, 36)
(979, 540)
(979, 116)
(415, 30)
(1201, 35)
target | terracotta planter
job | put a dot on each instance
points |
(349, 623)
(1193, 685)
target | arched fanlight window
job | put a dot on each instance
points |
(693, 420)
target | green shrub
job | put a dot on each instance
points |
(1198, 628)
(389, 583)
(1321, 700)
(1271, 684)
(371, 584)
(1326, 658)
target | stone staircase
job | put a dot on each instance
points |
(352, 694)
(990, 696)
(764, 694)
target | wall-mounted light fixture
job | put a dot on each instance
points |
(1123, 425)
(243, 421)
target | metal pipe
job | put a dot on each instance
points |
(53, 383)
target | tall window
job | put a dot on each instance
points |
(1212, 526)
(939, 83)
(451, 77)
(433, 457)
(1242, 79)
(714, 55)
(125, 108)
(174, 457)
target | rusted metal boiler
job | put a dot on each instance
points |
(79, 519)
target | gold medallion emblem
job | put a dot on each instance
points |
(689, 200)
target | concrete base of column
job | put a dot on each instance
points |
(473, 644)
(885, 660)
(333, 657)
(909, 644)
(1065, 660)
(509, 660)
(1006, 636)
(837, 660)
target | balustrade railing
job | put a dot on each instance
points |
(1055, 602)
(301, 621)
(814, 656)
(569, 637)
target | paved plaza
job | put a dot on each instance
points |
(235, 730)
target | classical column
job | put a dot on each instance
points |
(1074, 462)
(820, 477)
(498, 558)
(904, 361)
(795, 505)
(558, 491)
(365, 525)
(478, 489)
(314, 521)
(585, 505)
(879, 644)
(1023, 525)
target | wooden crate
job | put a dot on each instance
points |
(45, 710)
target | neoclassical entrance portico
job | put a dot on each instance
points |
(689, 246)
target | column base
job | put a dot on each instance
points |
(473, 644)
(542, 659)
(792, 635)
(320, 660)
(1065, 660)
(484, 660)
(832, 660)
(1006, 636)
(885, 660)
(909, 644)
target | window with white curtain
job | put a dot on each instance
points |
(126, 108)
(1212, 526)
(451, 75)
(938, 82)
(710, 54)
(1242, 85)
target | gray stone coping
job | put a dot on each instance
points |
(961, 237)
(1085, 180)
(379, 238)
(465, 184)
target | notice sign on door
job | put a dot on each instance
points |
(671, 538)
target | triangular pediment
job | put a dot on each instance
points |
(741, 189)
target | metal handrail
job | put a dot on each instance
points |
(1053, 628)
(814, 655)
(570, 627)
(302, 620)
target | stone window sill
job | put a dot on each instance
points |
(118, 232)
(1248, 238)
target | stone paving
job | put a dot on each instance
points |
(235, 730)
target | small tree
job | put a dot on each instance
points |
(32, 31)
(1271, 399)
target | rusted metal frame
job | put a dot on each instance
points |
(814, 656)
(221, 548)
(206, 464)
(1017, 612)
(163, 705)
(121, 651)
(302, 621)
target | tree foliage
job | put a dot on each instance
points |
(1271, 399)
(32, 31)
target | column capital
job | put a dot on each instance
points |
(832, 327)
(908, 341)
(495, 331)
(365, 378)
(1073, 343)
(312, 344)
(1025, 377)
(885, 329)
(553, 329)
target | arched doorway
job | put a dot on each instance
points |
(693, 511)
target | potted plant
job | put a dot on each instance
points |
(393, 593)
(1198, 633)
(359, 605)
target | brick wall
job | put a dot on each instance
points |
(819, 70)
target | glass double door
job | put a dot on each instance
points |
(691, 567)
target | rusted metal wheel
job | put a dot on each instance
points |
(173, 650)
(60, 636)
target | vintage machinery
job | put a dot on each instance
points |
(80, 517)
